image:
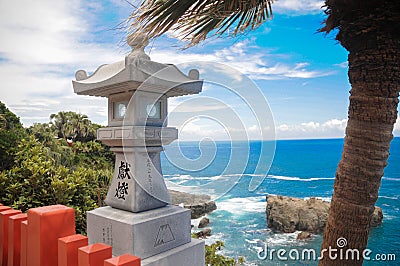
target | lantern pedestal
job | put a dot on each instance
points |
(143, 234)
(191, 254)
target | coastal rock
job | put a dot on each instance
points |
(377, 217)
(198, 204)
(204, 233)
(201, 209)
(303, 235)
(292, 214)
(204, 222)
(287, 214)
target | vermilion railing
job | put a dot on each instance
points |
(46, 236)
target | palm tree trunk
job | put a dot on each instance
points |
(374, 74)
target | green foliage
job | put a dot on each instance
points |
(212, 258)
(196, 20)
(11, 132)
(92, 154)
(73, 125)
(42, 132)
(45, 170)
(38, 180)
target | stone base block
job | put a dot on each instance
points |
(192, 254)
(143, 234)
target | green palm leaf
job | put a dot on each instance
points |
(194, 20)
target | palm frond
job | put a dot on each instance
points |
(194, 20)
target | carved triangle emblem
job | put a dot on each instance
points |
(164, 235)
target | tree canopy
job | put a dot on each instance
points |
(42, 169)
(11, 132)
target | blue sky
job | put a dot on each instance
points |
(301, 73)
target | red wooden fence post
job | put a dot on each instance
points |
(94, 255)
(123, 260)
(14, 238)
(68, 249)
(4, 215)
(24, 242)
(45, 226)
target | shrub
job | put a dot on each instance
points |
(37, 180)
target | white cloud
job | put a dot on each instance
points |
(197, 130)
(343, 64)
(335, 124)
(333, 128)
(43, 44)
(297, 7)
(257, 64)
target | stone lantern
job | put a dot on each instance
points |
(137, 90)
(138, 219)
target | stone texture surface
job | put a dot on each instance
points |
(138, 184)
(197, 203)
(303, 235)
(377, 217)
(178, 197)
(143, 234)
(189, 254)
(287, 214)
(203, 222)
(204, 233)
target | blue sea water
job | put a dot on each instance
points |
(299, 168)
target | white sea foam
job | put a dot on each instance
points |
(262, 231)
(282, 239)
(254, 241)
(295, 178)
(391, 179)
(388, 197)
(389, 217)
(229, 176)
(243, 206)
(191, 189)
(214, 238)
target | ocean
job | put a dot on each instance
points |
(232, 173)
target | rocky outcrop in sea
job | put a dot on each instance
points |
(198, 204)
(287, 214)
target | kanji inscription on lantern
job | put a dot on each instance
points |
(149, 177)
(123, 170)
(107, 234)
(122, 190)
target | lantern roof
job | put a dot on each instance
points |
(137, 71)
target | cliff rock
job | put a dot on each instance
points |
(204, 233)
(203, 222)
(198, 204)
(287, 214)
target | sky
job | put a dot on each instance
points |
(282, 80)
